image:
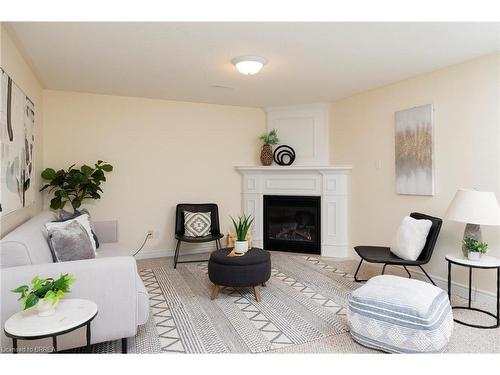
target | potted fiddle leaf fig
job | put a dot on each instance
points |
(241, 227)
(269, 139)
(44, 293)
(74, 185)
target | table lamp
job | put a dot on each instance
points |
(474, 208)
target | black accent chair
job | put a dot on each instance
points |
(378, 254)
(215, 234)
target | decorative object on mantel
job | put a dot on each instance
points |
(17, 121)
(414, 151)
(269, 139)
(284, 155)
(74, 185)
(44, 293)
(242, 227)
(474, 208)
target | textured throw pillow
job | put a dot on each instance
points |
(410, 238)
(81, 219)
(66, 215)
(197, 224)
(70, 242)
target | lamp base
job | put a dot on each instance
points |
(471, 231)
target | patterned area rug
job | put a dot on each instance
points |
(302, 311)
(296, 308)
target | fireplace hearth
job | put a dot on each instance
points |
(292, 223)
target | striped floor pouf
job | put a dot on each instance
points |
(400, 315)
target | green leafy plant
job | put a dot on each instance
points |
(270, 138)
(74, 185)
(242, 226)
(46, 289)
(475, 246)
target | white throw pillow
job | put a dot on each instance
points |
(410, 238)
(84, 220)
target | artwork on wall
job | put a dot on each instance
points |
(414, 151)
(17, 133)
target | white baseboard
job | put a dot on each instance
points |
(186, 249)
(459, 289)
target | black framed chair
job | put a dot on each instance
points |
(378, 254)
(215, 234)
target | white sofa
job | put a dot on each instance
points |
(112, 283)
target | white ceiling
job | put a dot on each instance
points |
(308, 62)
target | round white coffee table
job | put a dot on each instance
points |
(70, 315)
(485, 262)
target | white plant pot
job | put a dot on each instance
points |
(46, 308)
(474, 256)
(240, 247)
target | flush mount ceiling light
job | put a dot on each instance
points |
(249, 65)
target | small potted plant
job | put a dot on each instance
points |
(241, 228)
(44, 293)
(269, 139)
(475, 248)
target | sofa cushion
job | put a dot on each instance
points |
(70, 241)
(65, 215)
(83, 220)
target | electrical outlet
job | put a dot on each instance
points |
(150, 235)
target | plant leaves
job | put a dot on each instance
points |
(107, 167)
(48, 174)
(20, 289)
(30, 301)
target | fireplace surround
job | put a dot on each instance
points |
(328, 183)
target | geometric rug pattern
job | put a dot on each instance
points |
(293, 309)
(168, 334)
(302, 311)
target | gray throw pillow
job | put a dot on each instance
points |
(66, 215)
(197, 224)
(71, 242)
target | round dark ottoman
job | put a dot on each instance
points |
(249, 270)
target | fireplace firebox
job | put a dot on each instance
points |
(292, 223)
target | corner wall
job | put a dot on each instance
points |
(13, 62)
(466, 99)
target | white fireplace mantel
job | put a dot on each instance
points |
(329, 182)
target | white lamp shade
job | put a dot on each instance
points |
(474, 207)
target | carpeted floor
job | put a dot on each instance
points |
(302, 311)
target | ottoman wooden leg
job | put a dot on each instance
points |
(263, 284)
(256, 291)
(215, 292)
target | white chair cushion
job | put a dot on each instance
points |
(410, 238)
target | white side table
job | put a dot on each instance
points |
(70, 315)
(486, 262)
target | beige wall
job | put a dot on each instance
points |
(466, 101)
(13, 62)
(163, 153)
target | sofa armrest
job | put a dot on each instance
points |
(112, 283)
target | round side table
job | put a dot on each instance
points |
(486, 262)
(70, 315)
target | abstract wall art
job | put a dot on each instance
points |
(17, 132)
(415, 151)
